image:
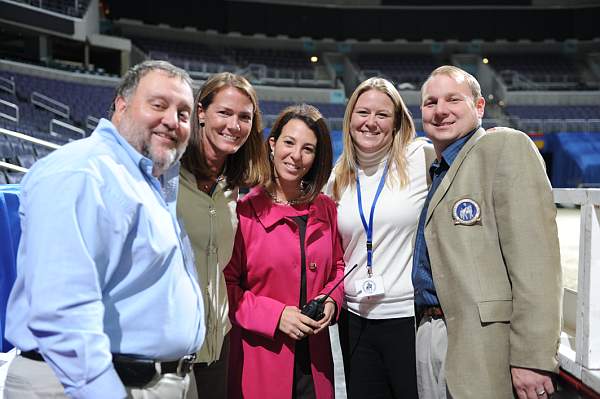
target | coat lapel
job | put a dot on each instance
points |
(269, 214)
(451, 174)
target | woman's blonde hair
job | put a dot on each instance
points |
(403, 133)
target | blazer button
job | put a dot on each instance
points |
(312, 266)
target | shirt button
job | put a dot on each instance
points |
(212, 211)
(212, 249)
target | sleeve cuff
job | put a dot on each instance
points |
(108, 381)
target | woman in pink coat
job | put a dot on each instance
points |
(286, 252)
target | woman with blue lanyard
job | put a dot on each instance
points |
(379, 184)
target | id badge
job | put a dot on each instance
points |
(369, 286)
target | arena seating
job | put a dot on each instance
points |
(328, 110)
(554, 111)
(21, 153)
(86, 99)
(10, 177)
(538, 72)
(72, 8)
(270, 58)
(282, 66)
(576, 162)
(405, 70)
(82, 101)
(194, 57)
(552, 119)
(262, 66)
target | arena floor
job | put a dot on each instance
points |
(568, 234)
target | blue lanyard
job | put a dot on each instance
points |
(369, 227)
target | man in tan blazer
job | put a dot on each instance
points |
(486, 266)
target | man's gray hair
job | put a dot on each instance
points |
(133, 76)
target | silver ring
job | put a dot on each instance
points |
(541, 393)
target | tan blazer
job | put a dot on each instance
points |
(499, 279)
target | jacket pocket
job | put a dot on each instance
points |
(495, 311)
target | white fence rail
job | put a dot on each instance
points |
(581, 358)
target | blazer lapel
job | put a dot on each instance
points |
(451, 174)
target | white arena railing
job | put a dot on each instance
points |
(579, 355)
(43, 143)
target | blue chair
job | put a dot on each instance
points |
(10, 232)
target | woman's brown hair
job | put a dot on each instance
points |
(318, 174)
(245, 167)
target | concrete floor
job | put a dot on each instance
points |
(568, 235)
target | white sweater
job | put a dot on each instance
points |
(394, 225)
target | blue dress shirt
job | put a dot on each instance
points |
(425, 294)
(103, 266)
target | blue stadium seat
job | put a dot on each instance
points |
(10, 232)
(26, 160)
(14, 177)
(576, 161)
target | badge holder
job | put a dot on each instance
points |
(370, 286)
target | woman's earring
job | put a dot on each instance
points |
(303, 185)
(201, 123)
(271, 155)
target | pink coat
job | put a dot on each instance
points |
(262, 278)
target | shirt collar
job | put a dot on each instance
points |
(451, 152)
(449, 155)
(269, 214)
(170, 184)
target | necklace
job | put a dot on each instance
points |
(282, 202)
(207, 187)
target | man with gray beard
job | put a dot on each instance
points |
(106, 302)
